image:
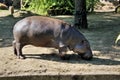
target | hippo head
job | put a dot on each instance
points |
(83, 49)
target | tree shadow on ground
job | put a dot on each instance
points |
(6, 42)
(6, 26)
(103, 30)
(74, 59)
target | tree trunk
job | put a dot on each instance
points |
(80, 14)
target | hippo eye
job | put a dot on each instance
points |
(82, 41)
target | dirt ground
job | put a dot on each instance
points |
(102, 32)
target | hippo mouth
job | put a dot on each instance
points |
(85, 53)
(86, 56)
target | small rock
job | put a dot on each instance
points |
(1, 40)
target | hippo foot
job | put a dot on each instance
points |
(65, 57)
(85, 57)
(21, 57)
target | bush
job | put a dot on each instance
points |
(53, 7)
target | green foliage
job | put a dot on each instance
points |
(90, 4)
(44, 6)
(40, 6)
(62, 7)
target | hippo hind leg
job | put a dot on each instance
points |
(18, 50)
(14, 47)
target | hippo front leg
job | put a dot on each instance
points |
(62, 53)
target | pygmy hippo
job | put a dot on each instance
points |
(48, 32)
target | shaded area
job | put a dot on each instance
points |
(103, 30)
(6, 25)
(102, 33)
(74, 59)
(63, 77)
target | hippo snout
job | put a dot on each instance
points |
(84, 52)
(87, 55)
(80, 49)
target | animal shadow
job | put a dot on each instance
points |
(52, 56)
(73, 59)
